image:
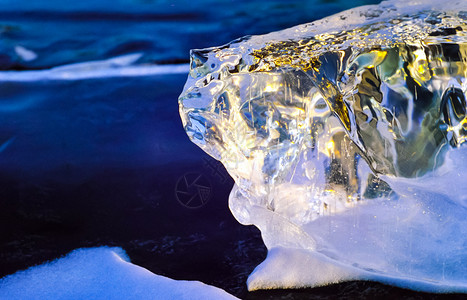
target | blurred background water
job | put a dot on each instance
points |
(92, 150)
(64, 32)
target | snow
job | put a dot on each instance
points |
(299, 268)
(100, 273)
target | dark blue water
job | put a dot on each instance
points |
(63, 32)
(96, 155)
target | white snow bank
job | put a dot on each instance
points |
(286, 268)
(298, 268)
(100, 273)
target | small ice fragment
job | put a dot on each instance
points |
(25, 54)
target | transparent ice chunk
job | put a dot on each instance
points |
(346, 140)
